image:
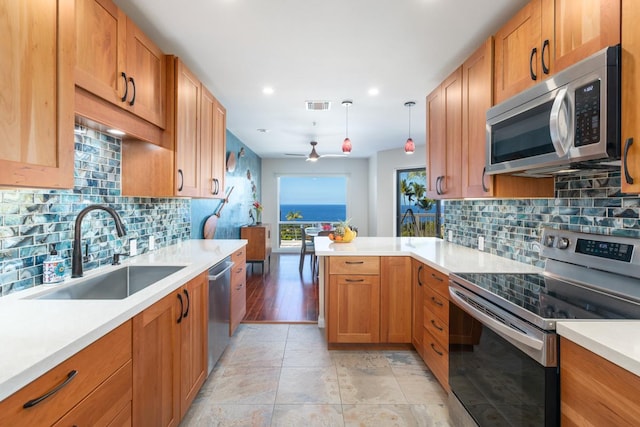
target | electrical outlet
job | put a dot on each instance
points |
(133, 247)
(152, 243)
(481, 243)
(450, 235)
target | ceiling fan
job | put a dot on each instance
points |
(314, 156)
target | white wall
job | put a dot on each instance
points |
(384, 201)
(356, 170)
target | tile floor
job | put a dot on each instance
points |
(283, 375)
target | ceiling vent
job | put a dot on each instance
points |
(318, 105)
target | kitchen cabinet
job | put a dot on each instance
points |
(170, 354)
(199, 137)
(36, 112)
(417, 311)
(118, 63)
(238, 289)
(444, 137)
(259, 243)
(546, 36)
(93, 386)
(477, 95)
(369, 300)
(594, 391)
(630, 176)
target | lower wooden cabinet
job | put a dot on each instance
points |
(238, 289)
(594, 391)
(259, 243)
(94, 387)
(170, 355)
(417, 310)
(395, 299)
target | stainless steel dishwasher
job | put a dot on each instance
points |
(219, 300)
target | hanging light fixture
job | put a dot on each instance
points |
(346, 144)
(409, 146)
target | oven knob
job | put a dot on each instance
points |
(548, 241)
(563, 243)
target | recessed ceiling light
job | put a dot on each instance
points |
(267, 90)
(374, 91)
(116, 132)
(263, 130)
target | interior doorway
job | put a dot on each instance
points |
(416, 214)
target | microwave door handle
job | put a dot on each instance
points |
(559, 123)
(520, 337)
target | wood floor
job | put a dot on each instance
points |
(281, 294)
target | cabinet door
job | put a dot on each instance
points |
(188, 169)
(146, 67)
(156, 359)
(36, 111)
(395, 299)
(582, 28)
(630, 108)
(101, 49)
(450, 185)
(354, 309)
(193, 340)
(518, 48)
(436, 156)
(256, 246)
(218, 164)
(208, 155)
(417, 312)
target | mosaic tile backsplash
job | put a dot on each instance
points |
(589, 203)
(31, 221)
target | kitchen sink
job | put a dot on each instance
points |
(117, 284)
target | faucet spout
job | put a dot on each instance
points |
(76, 260)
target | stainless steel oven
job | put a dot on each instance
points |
(504, 351)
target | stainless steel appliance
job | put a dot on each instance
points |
(503, 354)
(569, 121)
(219, 300)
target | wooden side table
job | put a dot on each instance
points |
(259, 243)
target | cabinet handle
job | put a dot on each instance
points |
(181, 180)
(484, 174)
(438, 191)
(239, 286)
(126, 86)
(133, 98)
(71, 375)
(354, 262)
(627, 176)
(439, 279)
(436, 302)
(181, 308)
(420, 271)
(186, 312)
(354, 280)
(433, 347)
(534, 51)
(545, 45)
(433, 322)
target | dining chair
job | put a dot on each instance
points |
(307, 247)
(315, 266)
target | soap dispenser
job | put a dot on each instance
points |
(53, 268)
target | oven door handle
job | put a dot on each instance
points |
(522, 338)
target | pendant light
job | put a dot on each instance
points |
(346, 144)
(409, 146)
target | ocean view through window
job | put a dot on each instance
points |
(309, 201)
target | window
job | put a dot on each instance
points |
(305, 201)
(416, 214)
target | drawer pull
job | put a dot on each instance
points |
(439, 279)
(239, 286)
(436, 326)
(71, 375)
(436, 302)
(239, 270)
(420, 271)
(354, 262)
(354, 280)
(433, 347)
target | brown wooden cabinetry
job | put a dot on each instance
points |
(118, 63)
(259, 243)
(96, 390)
(395, 299)
(36, 112)
(594, 391)
(170, 354)
(238, 289)
(417, 311)
(630, 109)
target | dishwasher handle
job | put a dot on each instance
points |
(215, 273)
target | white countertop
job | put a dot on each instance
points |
(37, 335)
(437, 253)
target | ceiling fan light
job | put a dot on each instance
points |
(346, 146)
(409, 146)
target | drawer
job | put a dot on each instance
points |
(238, 274)
(238, 307)
(92, 365)
(105, 403)
(436, 281)
(354, 265)
(239, 256)
(437, 304)
(438, 329)
(436, 358)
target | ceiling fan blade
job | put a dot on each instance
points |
(333, 155)
(295, 154)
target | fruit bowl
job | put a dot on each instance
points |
(348, 236)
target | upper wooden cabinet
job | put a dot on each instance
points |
(547, 36)
(36, 112)
(117, 62)
(630, 109)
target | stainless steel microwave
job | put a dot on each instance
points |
(567, 122)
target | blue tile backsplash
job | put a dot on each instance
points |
(33, 220)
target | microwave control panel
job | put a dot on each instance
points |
(587, 110)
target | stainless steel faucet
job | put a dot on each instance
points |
(76, 260)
